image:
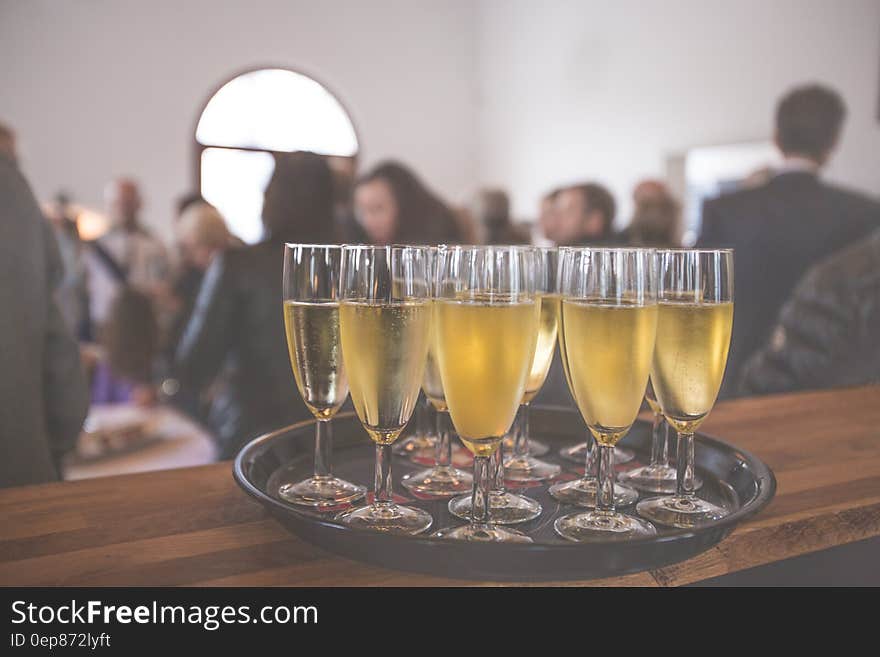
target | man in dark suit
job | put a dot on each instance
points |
(43, 393)
(782, 228)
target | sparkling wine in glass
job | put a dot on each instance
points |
(505, 506)
(385, 323)
(486, 322)
(311, 321)
(609, 320)
(695, 319)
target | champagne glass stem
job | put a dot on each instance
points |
(521, 432)
(323, 449)
(659, 441)
(480, 495)
(591, 460)
(443, 455)
(383, 493)
(422, 417)
(605, 484)
(665, 454)
(685, 472)
(496, 469)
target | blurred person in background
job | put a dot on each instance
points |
(828, 333)
(781, 228)
(42, 387)
(7, 143)
(237, 325)
(72, 293)
(656, 218)
(490, 210)
(128, 254)
(547, 213)
(201, 233)
(184, 201)
(343, 170)
(392, 206)
(583, 215)
(187, 277)
(125, 368)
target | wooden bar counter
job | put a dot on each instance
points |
(194, 526)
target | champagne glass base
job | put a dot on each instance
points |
(582, 492)
(483, 533)
(528, 468)
(683, 512)
(578, 454)
(321, 492)
(504, 508)
(536, 447)
(416, 444)
(601, 526)
(387, 517)
(439, 481)
(653, 479)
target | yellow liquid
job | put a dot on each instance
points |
(562, 354)
(484, 351)
(689, 359)
(608, 349)
(544, 346)
(316, 355)
(384, 346)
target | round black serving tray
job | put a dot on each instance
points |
(731, 476)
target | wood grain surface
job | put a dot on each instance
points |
(194, 526)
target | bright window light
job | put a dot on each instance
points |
(277, 110)
(712, 170)
(253, 115)
(233, 182)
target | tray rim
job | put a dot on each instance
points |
(763, 474)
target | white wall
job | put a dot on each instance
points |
(521, 93)
(102, 87)
(608, 90)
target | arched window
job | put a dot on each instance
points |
(250, 119)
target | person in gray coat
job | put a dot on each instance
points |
(43, 392)
(828, 333)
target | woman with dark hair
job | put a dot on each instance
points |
(392, 206)
(237, 326)
(299, 199)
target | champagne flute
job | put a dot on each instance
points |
(587, 451)
(486, 328)
(609, 322)
(505, 507)
(311, 321)
(583, 491)
(522, 465)
(385, 322)
(444, 479)
(695, 318)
